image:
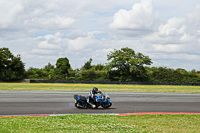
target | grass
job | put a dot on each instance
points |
(102, 87)
(102, 123)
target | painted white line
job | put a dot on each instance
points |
(44, 115)
(84, 113)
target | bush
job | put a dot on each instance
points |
(101, 76)
(88, 74)
(71, 78)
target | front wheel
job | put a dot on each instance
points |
(105, 106)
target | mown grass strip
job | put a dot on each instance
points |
(102, 87)
(102, 123)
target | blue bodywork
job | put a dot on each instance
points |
(101, 100)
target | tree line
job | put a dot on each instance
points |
(123, 65)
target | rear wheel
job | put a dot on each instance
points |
(79, 106)
(76, 105)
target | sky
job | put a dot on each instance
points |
(42, 31)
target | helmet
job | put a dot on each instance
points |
(95, 90)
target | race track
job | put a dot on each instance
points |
(35, 102)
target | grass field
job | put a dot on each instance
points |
(102, 123)
(102, 87)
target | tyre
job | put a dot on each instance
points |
(77, 106)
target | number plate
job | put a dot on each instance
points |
(75, 101)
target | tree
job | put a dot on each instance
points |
(37, 73)
(11, 67)
(62, 67)
(88, 65)
(48, 67)
(88, 74)
(126, 65)
(98, 67)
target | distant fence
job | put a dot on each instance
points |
(115, 82)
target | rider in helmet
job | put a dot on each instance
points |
(91, 96)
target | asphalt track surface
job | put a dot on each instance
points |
(39, 102)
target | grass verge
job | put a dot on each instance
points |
(102, 87)
(102, 123)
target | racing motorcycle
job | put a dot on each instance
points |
(101, 100)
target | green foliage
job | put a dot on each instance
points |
(98, 67)
(36, 73)
(126, 65)
(62, 67)
(11, 67)
(93, 75)
(101, 76)
(164, 74)
(88, 74)
(88, 65)
(49, 67)
(44, 73)
(49, 72)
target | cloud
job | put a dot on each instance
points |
(172, 27)
(187, 38)
(41, 51)
(26, 18)
(46, 45)
(176, 35)
(44, 31)
(50, 41)
(140, 20)
(167, 48)
(167, 39)
(9, 13)
(76, 33)
(55, 23)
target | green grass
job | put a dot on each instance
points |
(102, 123)
(102, 87)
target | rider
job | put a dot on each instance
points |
(91, 96)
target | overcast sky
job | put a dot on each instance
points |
(41, 31)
